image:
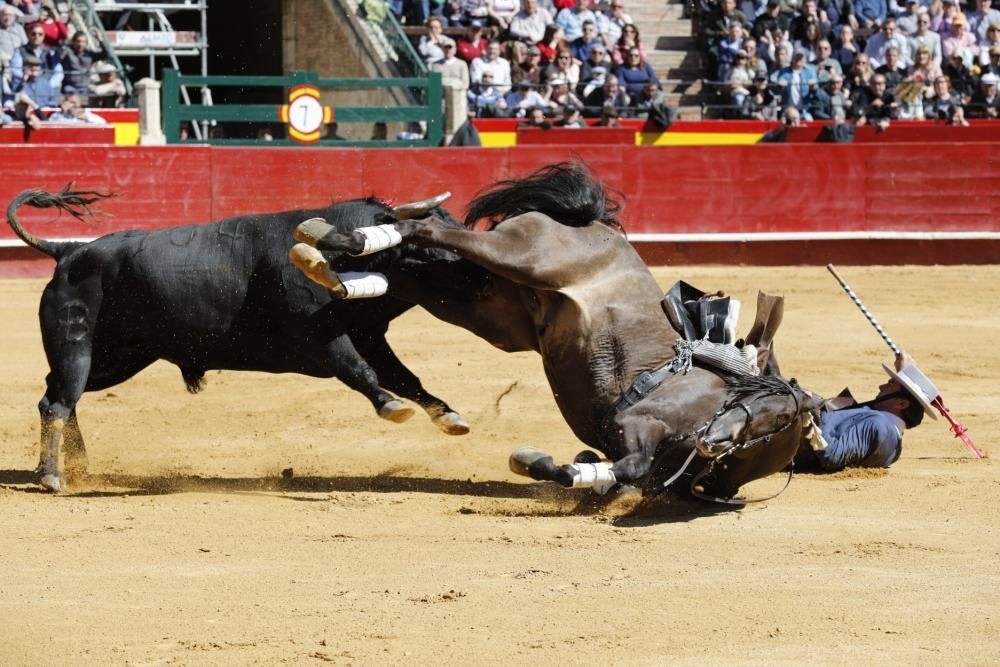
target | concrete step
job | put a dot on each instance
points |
(670, 59)
(653, 12)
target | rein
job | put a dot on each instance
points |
(776, 386)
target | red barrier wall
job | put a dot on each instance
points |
(833, 197)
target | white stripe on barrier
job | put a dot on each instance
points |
(729, 237)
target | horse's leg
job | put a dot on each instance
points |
(397, 378)
(523, 250)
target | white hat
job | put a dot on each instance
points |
(916, 385)
(990, 79)
(104, 68)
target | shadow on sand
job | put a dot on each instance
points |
(626, 508)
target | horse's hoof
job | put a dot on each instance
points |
(529, 461)
(587, 456)
(311, 262)
(395, 411)
(311, 231)
(51, 482)
(451, 423)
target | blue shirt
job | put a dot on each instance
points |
(860, 437)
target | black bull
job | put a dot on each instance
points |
(217, 296)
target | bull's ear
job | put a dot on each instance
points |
(419, 209)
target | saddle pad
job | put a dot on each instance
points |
(729, 358)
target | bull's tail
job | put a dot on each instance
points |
(75, 202)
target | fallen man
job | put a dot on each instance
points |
(870, 434)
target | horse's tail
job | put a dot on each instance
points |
(566, 192)
(75, 202)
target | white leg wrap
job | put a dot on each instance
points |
(363, 285)
(597, 476)
(379, 238)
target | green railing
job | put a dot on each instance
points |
(175, 113)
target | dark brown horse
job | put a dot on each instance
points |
(565, 281)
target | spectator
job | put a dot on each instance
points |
(608, 118)
(536, 118)
(560, 94)
(883, 39)
(782, 61)
(874, 104)
(841, 12)
(808, 44)
(755, 63)
(985, 102)
(565, 68)
(810, 14)
(71, 110)
(486, 99)
(738, 81)
(847, 48)
(571, 20)
(870, 13)
(949, 11)
(380, 131)
(452, 69)
(430, 43)
(501, 13)
(924, 70)
(636, 73)
(956, 116)
(925, 37)
(528, 67)
(580, 47)
(472, 45)
(55, 30)
(522, 98)
(108, 91)
(909, 96)
(493, 63)
(761, 103)
(332, 132)
(798, 84)
(530, 24)
(630, 39)
(77, 61)
(825, 64)
(991, 42)
(981, 18)
(861, 73)
(611, 22)
(726, 50)
(935, 10)
(938, 105)
(571, 117)
(831, 100)
(650, 96)
(12, 37)
(52, 69)
(593, 71)
(961, 41)
(474, 13)
(717, 26)
(963, 82)
(608, 95)
(908, 21)
(892, 70)
(868, 435)
(791, 117)
(994, 65)
(31, 94)
(772, 27)
(413, 132)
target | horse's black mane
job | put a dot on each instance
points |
(743, 386)
(566, 192)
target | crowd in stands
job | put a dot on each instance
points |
(48, 75)
(866, 61)
(545, 61)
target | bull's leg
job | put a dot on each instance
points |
(74, 452)
(397, 378)
(344, 362)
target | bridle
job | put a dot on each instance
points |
(771, 386)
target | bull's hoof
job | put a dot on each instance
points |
(311, 231)
(395, 411)
(51, 482)
(311, 262)
(531, 462)
(451, 423)
(419, 209)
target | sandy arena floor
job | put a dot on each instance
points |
(395, 544)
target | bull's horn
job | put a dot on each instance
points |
(419, 209)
